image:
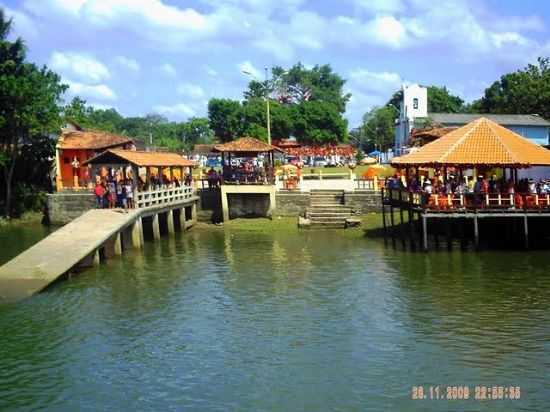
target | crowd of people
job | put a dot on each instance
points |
(474, 189)
(113, 191)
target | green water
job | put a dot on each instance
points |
(231, 320)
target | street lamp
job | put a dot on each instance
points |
(266, 100)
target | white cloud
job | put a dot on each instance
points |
(101, 106)
(168, 70)
(191, 90)
(98, 91)
(127, 63)
(180, 110)
(248, 68)
(378, 82)
(80, 66)
(387, 30)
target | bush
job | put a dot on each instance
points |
(27, 198)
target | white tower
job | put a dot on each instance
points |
(414, 105)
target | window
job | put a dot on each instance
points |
(415, 103)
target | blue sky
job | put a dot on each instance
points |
(170, 57)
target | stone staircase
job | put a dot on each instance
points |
(327, 210)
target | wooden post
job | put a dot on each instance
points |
(156, 228)
(526, 231)
(476, 232)
(425, 232)
(402, 228)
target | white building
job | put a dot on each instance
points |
(414, 105)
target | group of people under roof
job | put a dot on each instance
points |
(471, 188)
(115, 189)
(252, 170)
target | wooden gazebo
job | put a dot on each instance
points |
(247, 147)
(481, 143)
(163, 162)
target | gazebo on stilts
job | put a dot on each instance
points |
(469, 174)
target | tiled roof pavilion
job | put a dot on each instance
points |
(141, 159)
(245, 145)
(481, 142)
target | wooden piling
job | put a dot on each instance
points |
(476, 232)
(526, 231)
(137, 234)
(425, 232)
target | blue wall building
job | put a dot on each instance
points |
(531, 126)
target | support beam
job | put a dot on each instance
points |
(425, 232)
(156, 228)
(182, 219)
(96, 259)
(526, 231)
(170, 221)
(476, 233)
(137, 234)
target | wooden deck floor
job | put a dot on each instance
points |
(43, 263)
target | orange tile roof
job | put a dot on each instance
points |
(141, 159)
(246, 145)
(481, 142)
(90, 139)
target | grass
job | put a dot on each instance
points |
(371, 225)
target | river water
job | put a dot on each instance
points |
(229, 320)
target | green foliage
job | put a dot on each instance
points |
(29, 108)
(523, 91)
(360, 155)
(378, 127)
(225, 117)
(305, 103)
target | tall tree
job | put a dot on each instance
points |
(225, 117)
(29, 104)
(378, 127)
(523, 91)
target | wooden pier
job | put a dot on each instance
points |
(96, 235)
(453, 213)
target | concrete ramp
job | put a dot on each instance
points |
(40, 265)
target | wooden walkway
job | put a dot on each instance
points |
(40, 265)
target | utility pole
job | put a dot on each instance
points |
(267, 105)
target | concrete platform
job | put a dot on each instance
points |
(40, 265)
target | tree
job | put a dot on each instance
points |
(195, 131)
(305, 103)
(523, 91)
(225, 118)
(319, 122)
(378, 127)
(29, 104)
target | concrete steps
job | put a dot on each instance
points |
(327, 210)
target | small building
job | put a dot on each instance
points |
(414, 115)
(77, 145)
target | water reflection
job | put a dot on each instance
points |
(216, 319)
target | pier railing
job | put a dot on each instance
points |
(164, 195)
(468, 201)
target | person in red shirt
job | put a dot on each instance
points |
(99, 192)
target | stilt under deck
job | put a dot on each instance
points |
(453, 213)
